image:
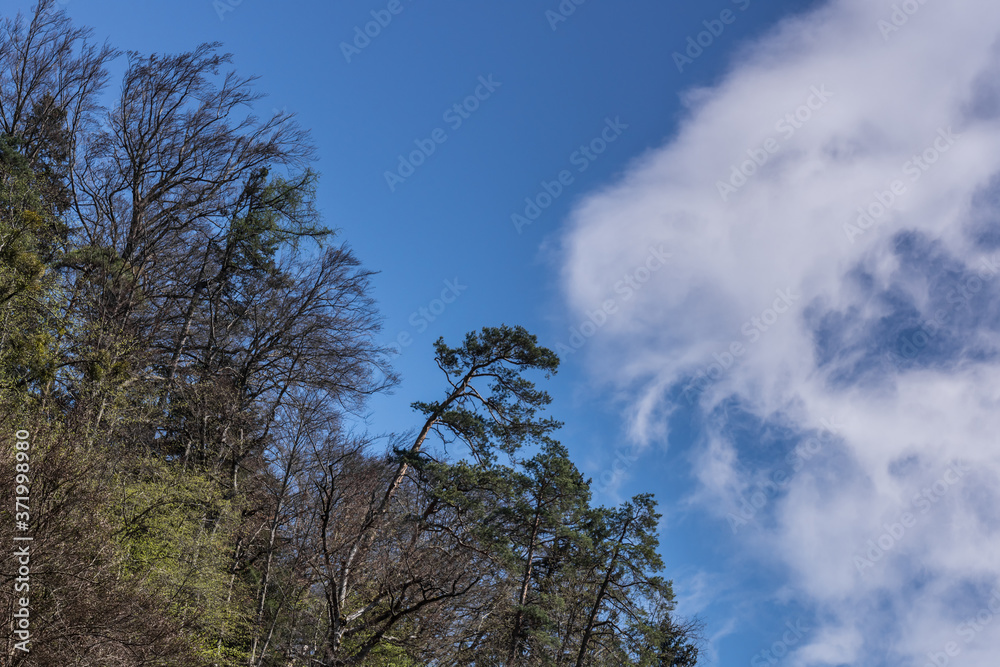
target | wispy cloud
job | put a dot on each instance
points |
(910, 138)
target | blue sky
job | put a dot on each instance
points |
(781, 244)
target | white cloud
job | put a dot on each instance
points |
(905, 422)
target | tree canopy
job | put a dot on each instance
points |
(184, 341)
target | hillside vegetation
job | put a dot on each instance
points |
(184, 343)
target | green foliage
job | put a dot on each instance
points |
(274, 211)
(29, 293)
(386, 654)
(504, 418)
(175, 529)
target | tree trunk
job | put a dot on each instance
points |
(602, 591)
(515, 634)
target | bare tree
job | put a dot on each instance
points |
(48, 66)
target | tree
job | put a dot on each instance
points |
(547, 512)
(500, 416)
(188, 344)
(623, 566)
(51, 77)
